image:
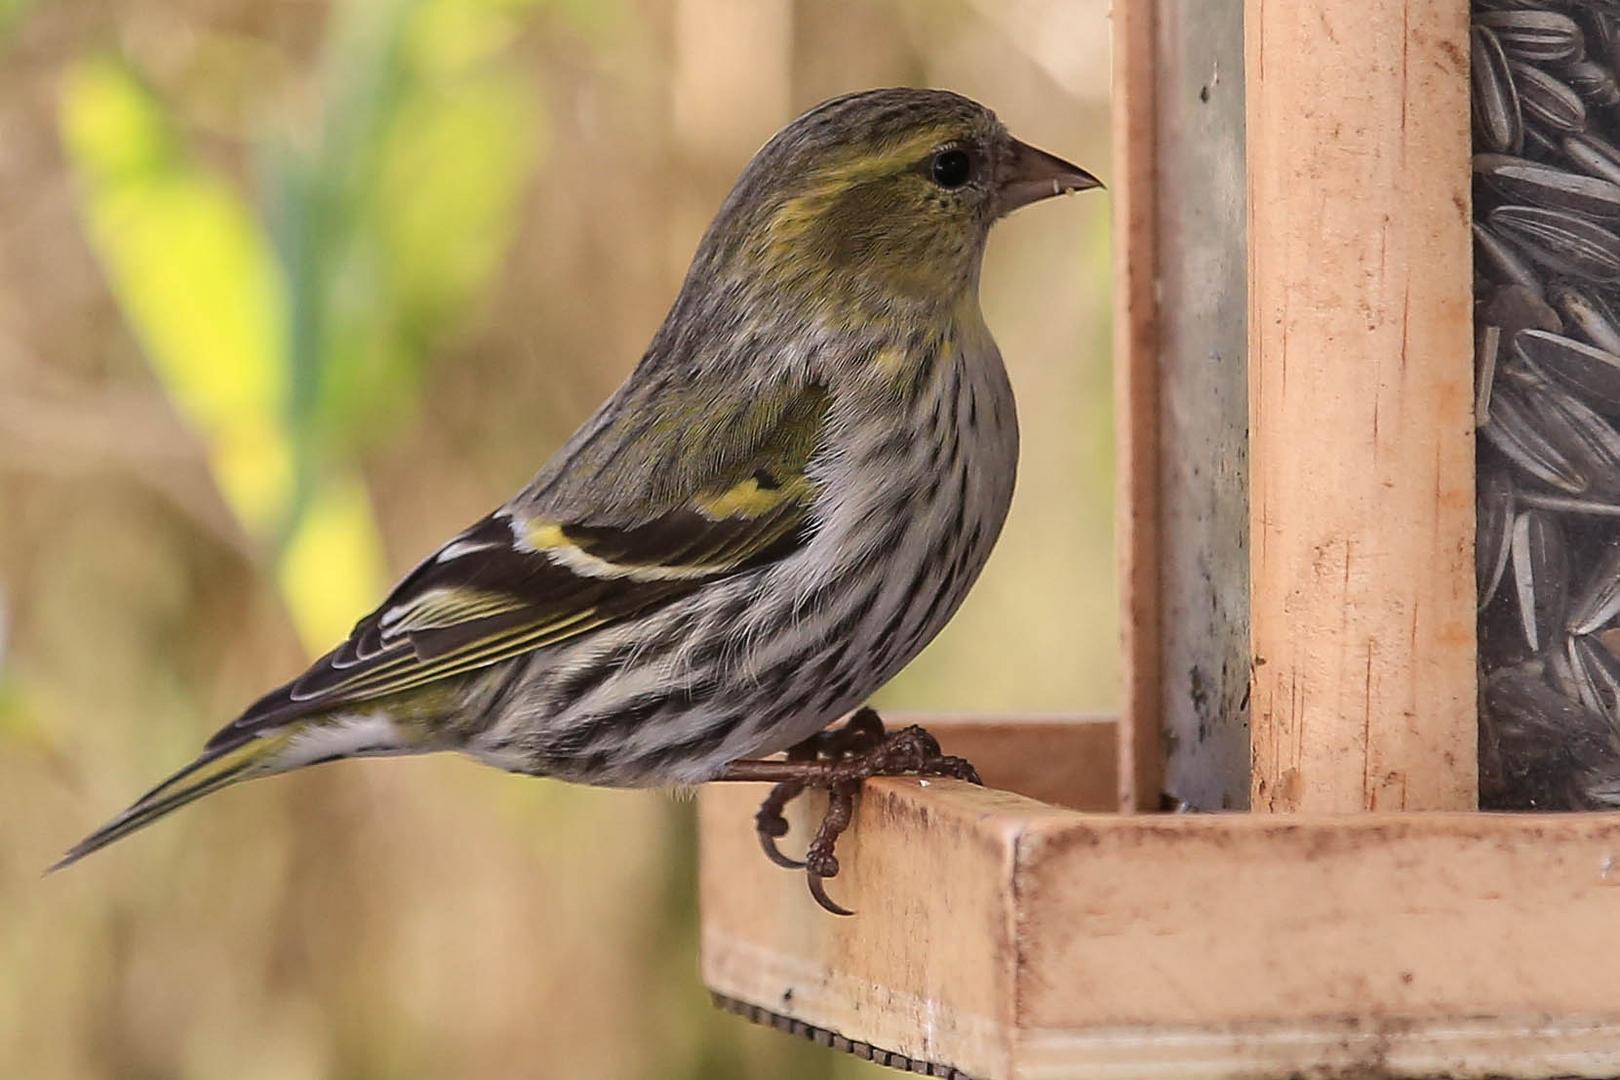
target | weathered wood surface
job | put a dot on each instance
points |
(1360, 366)
(1011, 939)
(1064, 760)
(1203, 474)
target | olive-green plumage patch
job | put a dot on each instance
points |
(804, 211)
(233, 760)
(877, 212)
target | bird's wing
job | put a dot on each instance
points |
(522, 579)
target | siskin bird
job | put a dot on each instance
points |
(786, 500)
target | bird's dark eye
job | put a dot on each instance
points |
(951, 168)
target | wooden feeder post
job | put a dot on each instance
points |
(1361, 401)
(1182, 401)
(1028, 930)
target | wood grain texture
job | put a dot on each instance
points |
(1360, 363)
(1010, 939)
(1136, 408)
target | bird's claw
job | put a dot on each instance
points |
(818, 893)
(845, 757)
(819, 861)
(772, 826)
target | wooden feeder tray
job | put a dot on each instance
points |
(998, 936)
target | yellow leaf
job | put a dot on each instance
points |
(197, 279)
(330, 572)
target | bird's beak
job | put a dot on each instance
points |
(1027, 175)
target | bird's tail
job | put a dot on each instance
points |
(217, 767)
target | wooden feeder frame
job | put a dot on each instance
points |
(1045, 926)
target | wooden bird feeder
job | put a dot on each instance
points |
(1295, 408)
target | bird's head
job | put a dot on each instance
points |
(884, 195)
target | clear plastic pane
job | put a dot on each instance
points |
(1546, 115)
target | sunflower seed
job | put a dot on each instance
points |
(1594, 156)
(1487, 347)
(1541, 747)
(1494, 532)
(1563, 242)
(1585, 439)
(1561, 670)
(1587, 311)
(1596, 674)
(1586, 369)
(1520, 5)
(1495, 99)
(1503, 261)
(1547, 185)
(1598, 787)
(1539, 145)
(1598, 601)
(1570, 677)
(1593, 81)
(1514, 431)
(1540, 558)
(1599, 29)
(1546, 99)
(1563, 504)
(1600, 32)
(1536, 36)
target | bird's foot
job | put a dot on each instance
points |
(838, 761)
(860, 733)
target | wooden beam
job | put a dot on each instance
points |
(1136, 408)
(1360, 367)
(1203, 401)
(1009, 939)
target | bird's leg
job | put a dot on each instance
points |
(838, 761)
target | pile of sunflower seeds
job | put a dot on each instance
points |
(1546, 113)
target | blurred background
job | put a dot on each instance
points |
(291, 290)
